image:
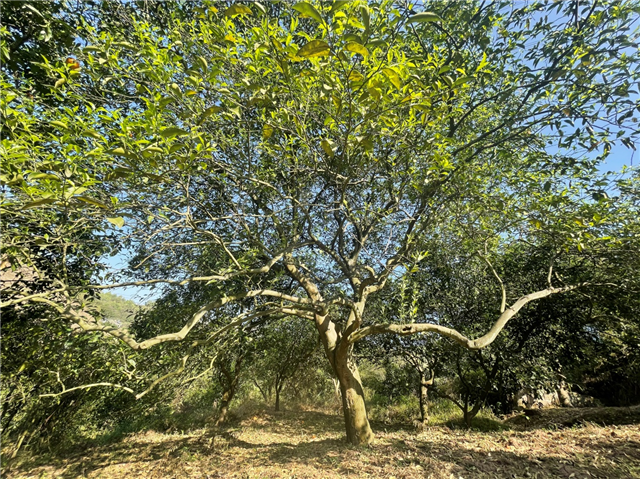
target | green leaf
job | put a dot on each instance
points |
(424, 17)
(208, 112)
(173, 131)
(356, 47)
(338, 5)
(35, 204)
(393, 77)
(327, 147)
(153, 149)
(92, 201)
(73, 190)
(267, 131)
(315, 48)
(92, 134)
(462, 81)
(118, 221)
(366, 19)
(60, 82)
(126, 45)
(237, 10)
(45, 176)
(119, 151)
(260, 7)
(355, 76)
(376, 43)
(175, 88)
(308, 10)
(59, 124)
(367, 143)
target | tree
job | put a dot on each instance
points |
(315, 153)
(284, 348)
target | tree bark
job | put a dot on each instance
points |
(563, 395)
(468, 417)
(424, 397)
(353, 402)
(278, 388)
(224, 405)
(232, 377)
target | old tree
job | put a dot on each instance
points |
(293, 160)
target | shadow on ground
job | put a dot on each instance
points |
(311, 444)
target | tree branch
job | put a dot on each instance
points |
(479, 343)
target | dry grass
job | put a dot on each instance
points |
(310, 444)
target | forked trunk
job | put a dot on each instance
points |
(353, 403)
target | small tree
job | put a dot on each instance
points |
(285, 350)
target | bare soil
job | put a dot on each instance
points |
(311, 444)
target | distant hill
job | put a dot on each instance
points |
(116, 310)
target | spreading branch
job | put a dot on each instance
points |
(479, 343)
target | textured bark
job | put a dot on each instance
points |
(224, 405)
(424, 397)
(231, 374)
(353, 403)
(563, 395)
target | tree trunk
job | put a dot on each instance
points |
(563, 395)
(278, 388)
(424, 398)
(468, 417)
(353, 403)
(224, 405)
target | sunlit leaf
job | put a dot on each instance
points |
(327, 147)
(118, 221)
(424, 17)
(92, 201)
(338, 5)
(237, 9)
(356, 47)
(393, 77)
(308, 10)
(173, 131)
(315, 48)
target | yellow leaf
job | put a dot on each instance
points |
(356, 47)
(267, 131)
(119, 221)
(326, 146)
(355, 76)
(393, 77)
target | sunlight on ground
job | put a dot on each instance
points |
(311, 444)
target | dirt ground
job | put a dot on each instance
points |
(311, 444)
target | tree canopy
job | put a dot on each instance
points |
(296, 160)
